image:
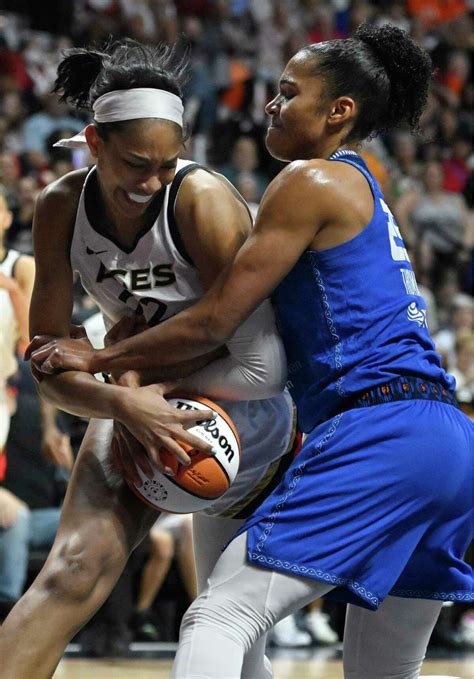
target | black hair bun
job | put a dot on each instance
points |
(408, 68)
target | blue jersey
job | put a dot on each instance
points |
(352, 317)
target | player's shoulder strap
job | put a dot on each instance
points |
(9, 262)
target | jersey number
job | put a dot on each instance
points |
(397, 248)
(158, 312)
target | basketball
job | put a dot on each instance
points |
(200, 484)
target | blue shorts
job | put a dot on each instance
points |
(378, 502)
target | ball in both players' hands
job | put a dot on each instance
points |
(199, 485)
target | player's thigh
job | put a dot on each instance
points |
(390, 642)
(210, 535)
(98, 501)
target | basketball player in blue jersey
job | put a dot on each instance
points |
(376, 511)
(147, 233)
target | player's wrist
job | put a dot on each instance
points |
(98, 362)
(119, 403)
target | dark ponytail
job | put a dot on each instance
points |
(76, 75)
(383, 70)
(87, 73)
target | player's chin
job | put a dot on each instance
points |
(276, 146)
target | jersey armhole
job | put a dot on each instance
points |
(172, 223)
(14, 265)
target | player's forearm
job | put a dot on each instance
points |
(176, 340)
(81, 394)
(167, 373)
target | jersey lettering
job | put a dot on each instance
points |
(104, 273)
(163, 275)
(140, 279)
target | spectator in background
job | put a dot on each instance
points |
(405, 167)
(460, 320)
(31, 493)
(170, 537)
(20, 529)
(13, 112)
(247, 185)
(437, 221)
(244, 159)
(54, 116)
(463, 369)
(456, 167)
(10, 173)
(19, 234)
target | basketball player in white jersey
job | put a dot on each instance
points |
(148, 234)
(16, 284)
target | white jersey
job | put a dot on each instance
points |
(154, 276)
(8, 322)
(157, 277)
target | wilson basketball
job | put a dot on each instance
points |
(197, 486)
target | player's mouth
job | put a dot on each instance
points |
(275, 124)
(139, 198)
(136, 201)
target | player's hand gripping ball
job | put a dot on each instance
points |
(200, 484)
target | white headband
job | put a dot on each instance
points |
(133, 104)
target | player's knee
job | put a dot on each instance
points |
(225, 616)
(76, 568)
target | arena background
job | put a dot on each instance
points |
(238, 50)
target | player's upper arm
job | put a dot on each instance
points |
(213, 222)
(292, 210)
(51, 306)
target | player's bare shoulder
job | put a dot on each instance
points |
(55, 214)
(301, 175)
(315, 187)
(59, 200)
(205, 189)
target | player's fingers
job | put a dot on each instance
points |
(37, 374)
(175, 448)
(154, 454)
(191, 417)
(51, 365)
(194, 441)
(36, 343)
(42, 356)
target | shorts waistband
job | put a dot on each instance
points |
(402, 389)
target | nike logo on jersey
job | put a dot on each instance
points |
(94, 252)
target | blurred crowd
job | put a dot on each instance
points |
(238, 49)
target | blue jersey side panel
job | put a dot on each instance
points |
(351, 317)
